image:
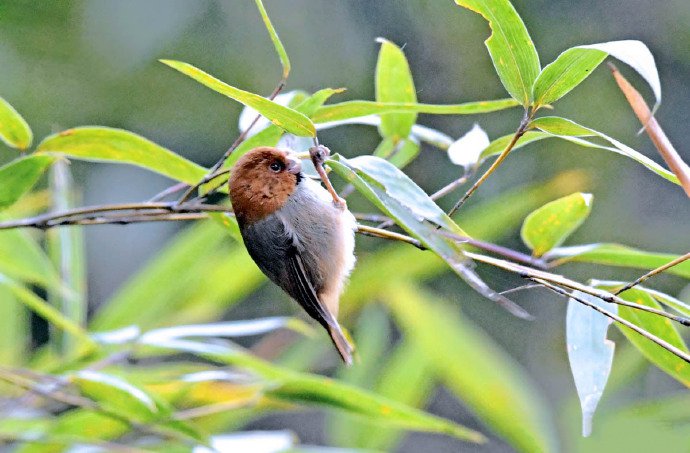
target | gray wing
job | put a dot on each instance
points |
(277, 254)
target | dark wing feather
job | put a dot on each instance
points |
(276, 253)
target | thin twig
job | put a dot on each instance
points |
(240, 138)
(669, 347)
(527, 272)
(518, 133)
(450, 187)
(654, 272)
(385, 234)
(169, 191)
(496, 249)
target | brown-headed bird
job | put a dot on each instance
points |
(296, 233)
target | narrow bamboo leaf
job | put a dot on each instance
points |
(354, 109)
(550, 225)
(14, 130)
(511, 48)
(19, 176)
(466, 150)
(320, 391)
(573, 132)
(116, 395)
(497, 146)
(565, 73)
(394, 84)
(277, 43)
(22, 258)
(313, 390)
(14, 329)
(589, 352)
(656, 325)
(494, 386)
(104, 144)
(637, 55)
(618, 255)
(283, 117)
(270, 136)
(47, 312)
(399, 153)
(66, 248)
(223, 329)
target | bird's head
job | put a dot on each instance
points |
(261, 182)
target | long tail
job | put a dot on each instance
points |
(342, 345)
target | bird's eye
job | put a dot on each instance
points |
(276, 166)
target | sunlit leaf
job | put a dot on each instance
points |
(354, 109)
(66, 249)
(512, 50)
(573, 132)
(116, 395)
(618, 255)
(277, 43)
(589, 352)
(47, 312)
(283, 117)
(474, 368)
(103, 144)
(466, 150)
(565, 73)
(550, 225)
(14, 130)
(19, 176)
(656, 325)
(394, 84)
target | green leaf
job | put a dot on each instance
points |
(47, 312)
(23, 259)
(399, 154)
(14, 130)
(589, 352)
(19, 176)
(66, 249)
(658, 326)
(353, 109)
(394, 84)
(284, 117)
(497, 146)
(573, 132)
(313, 390)
(565, 73)
(474, 368)
(271, 135)
(104, 144)
(14, 329)
(512, 50)
(116, 395)
(155, 292)
(618, 255)
(550, 225)
(280, 49)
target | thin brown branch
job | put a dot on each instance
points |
(518, 133)
(654, 272)
(385, 234)
(212, 173)
(496, 249)
(654, 130)
(669, 347)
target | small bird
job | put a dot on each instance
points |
(298, 234)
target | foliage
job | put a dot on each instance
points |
(153, 367)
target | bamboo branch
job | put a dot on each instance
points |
(654, 272)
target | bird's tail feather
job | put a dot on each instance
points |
(344, 347)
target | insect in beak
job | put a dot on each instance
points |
(294, 166)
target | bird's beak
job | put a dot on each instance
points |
(294, 166)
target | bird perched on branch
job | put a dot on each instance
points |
(298, 234)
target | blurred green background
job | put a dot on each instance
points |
(74, 63)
